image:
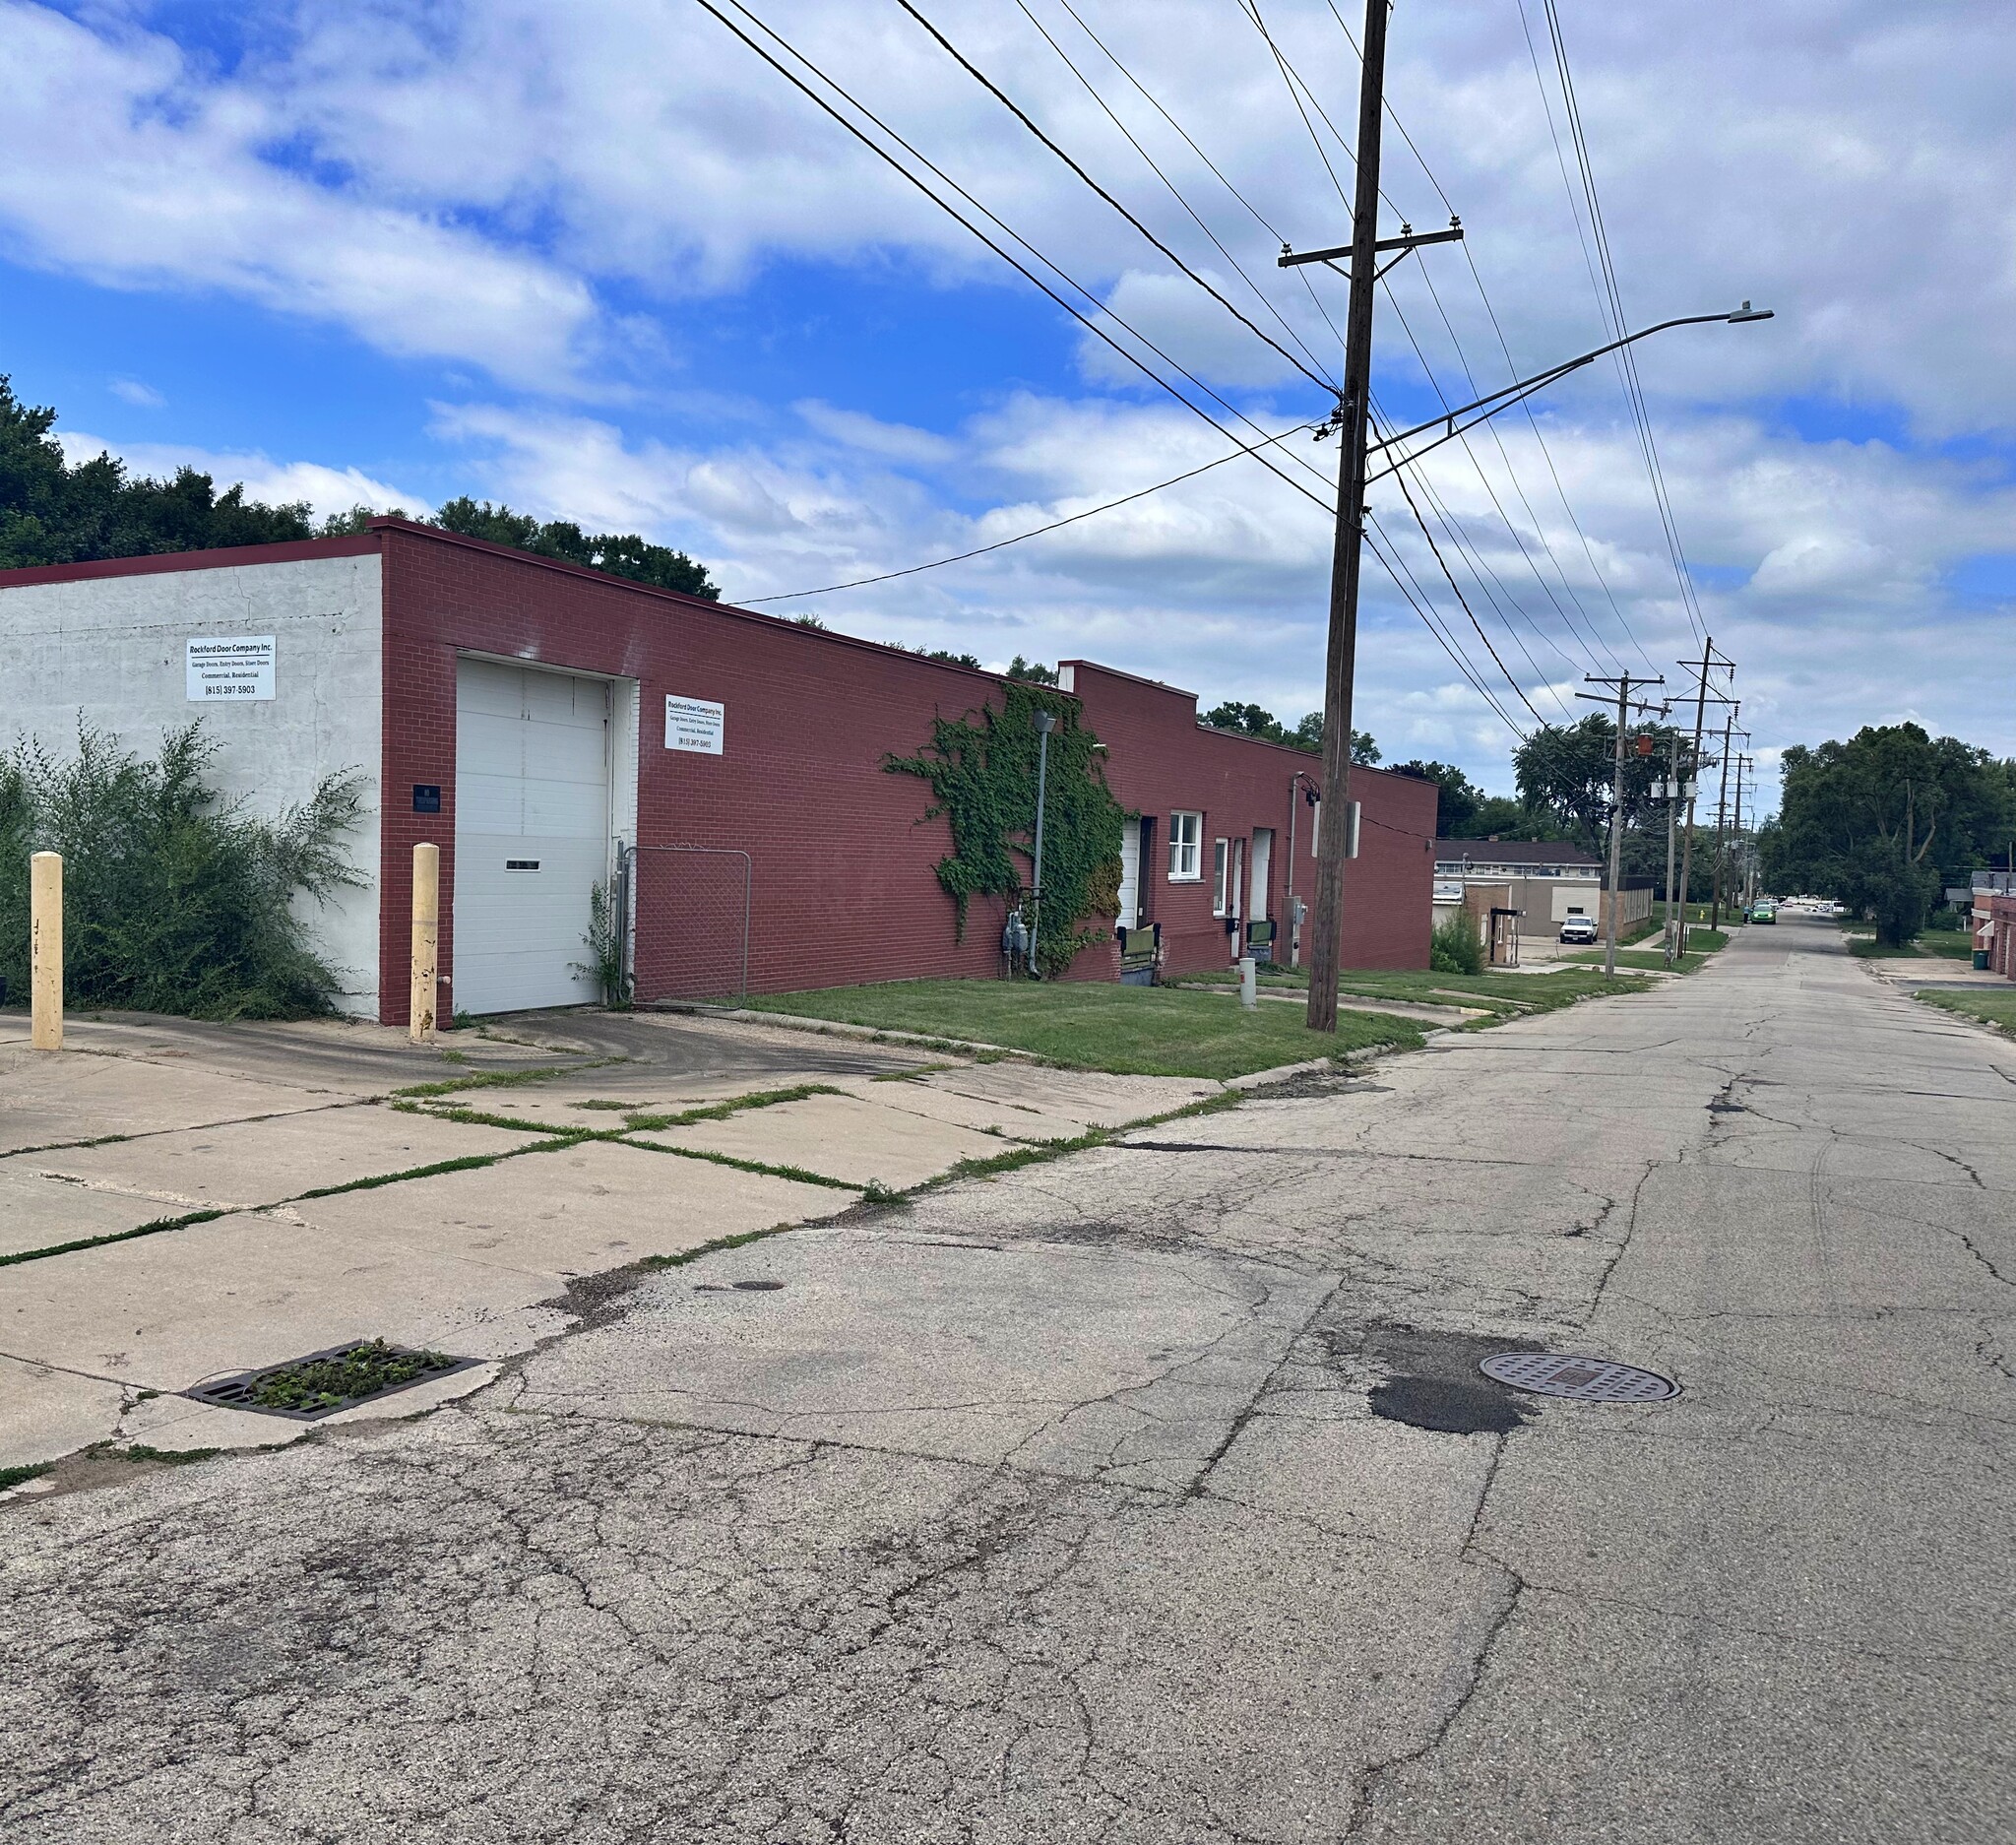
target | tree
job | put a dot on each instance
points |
(1032, 670)
(1872, 821)
(54, 513)
(616, 554)
(1566, 773)
(1457, 796)
(1256, 720)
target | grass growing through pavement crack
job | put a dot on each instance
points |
(15, 1476)
(152, 1227)
(503, 1079)
(643, 1123)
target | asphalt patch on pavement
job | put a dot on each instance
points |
(1432, 1380)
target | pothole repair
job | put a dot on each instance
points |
(1433, 1381)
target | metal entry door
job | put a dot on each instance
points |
(1130, 873)
(531, 833)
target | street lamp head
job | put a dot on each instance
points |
(1045, 723)
(1747, 312)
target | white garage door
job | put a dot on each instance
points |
(531, 832)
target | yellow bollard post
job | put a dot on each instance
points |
(45, 949)
(426, 942)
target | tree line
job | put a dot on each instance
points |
(54, 512)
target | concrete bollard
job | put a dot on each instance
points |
(1249, 982)
(45, 949)
(427, 943)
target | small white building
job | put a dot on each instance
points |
(1546, 880)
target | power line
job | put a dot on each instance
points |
(1133, 142)
(890, 576)
(888, 158)
(1014, 108)
(1608, 298)
(1297, 85)
(1020, 268)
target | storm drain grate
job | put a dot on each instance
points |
(306, 1389)
(1570, 1375)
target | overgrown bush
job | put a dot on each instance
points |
(1456, 947)
(174, 899)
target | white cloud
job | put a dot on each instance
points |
(133, 391)
(326, 489)
(120, 163)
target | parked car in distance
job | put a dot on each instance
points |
(1579, 928)
(1763, 913)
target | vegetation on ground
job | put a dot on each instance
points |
(174, 899)
(1455, 946)
(1985, 1004)
(1136, 1031)
(1939, 944)
(327, 1383)
(981, 770)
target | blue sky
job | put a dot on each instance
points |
(602, 262)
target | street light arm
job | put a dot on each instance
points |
(1526, 386)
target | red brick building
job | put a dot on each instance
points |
(551, 728)
(1994, 930)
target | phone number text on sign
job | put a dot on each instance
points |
(229, 666)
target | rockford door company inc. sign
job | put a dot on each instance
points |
(230, 666)
(695, 724)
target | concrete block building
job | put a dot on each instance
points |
(551, 728)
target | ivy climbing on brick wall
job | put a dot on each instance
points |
(982, 768)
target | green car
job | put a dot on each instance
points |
(1763, 913)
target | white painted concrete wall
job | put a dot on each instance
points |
(110, 654)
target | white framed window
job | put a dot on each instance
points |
(1220, 864)
(1186, 836)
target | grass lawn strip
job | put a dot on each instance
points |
(1984, 1006)
(1130, 1030)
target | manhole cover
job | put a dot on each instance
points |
(1588, 1379)
(759, 1286)
(306, 1389)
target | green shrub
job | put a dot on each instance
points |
(1456, 947)
(604, 944)
(173, 900)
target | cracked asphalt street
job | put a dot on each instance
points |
(1056, 1507)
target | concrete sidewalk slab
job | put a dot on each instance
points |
(47, 1414)
(1090, 1099)
(58, 1099)
(39, 1213)
(639, 1089)
(334, 1056)
(580, 1211)
(239, 1292)
(840, 1136)
(248, 1165)
(922, 1096)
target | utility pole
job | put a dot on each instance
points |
(1673, 814)
(1341, 662)
(1708, 660)
(1624, 681)
(1729, 725)
(1737, 835)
